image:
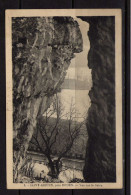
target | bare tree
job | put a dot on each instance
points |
(48, 134)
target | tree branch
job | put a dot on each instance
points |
(37, 144)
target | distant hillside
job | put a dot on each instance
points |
(75, 84)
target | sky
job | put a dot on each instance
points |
(78, 69)
(79, 64)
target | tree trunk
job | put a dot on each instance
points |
(58, 167)
(51, 165)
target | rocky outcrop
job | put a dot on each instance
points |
(42, 51)
(100, 164)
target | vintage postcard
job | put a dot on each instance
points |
(64, 99)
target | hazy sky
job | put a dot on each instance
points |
(78, 69)
(79, 65)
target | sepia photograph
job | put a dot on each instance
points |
(64, 99)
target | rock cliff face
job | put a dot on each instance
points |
(42, 49)
(100, 164)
